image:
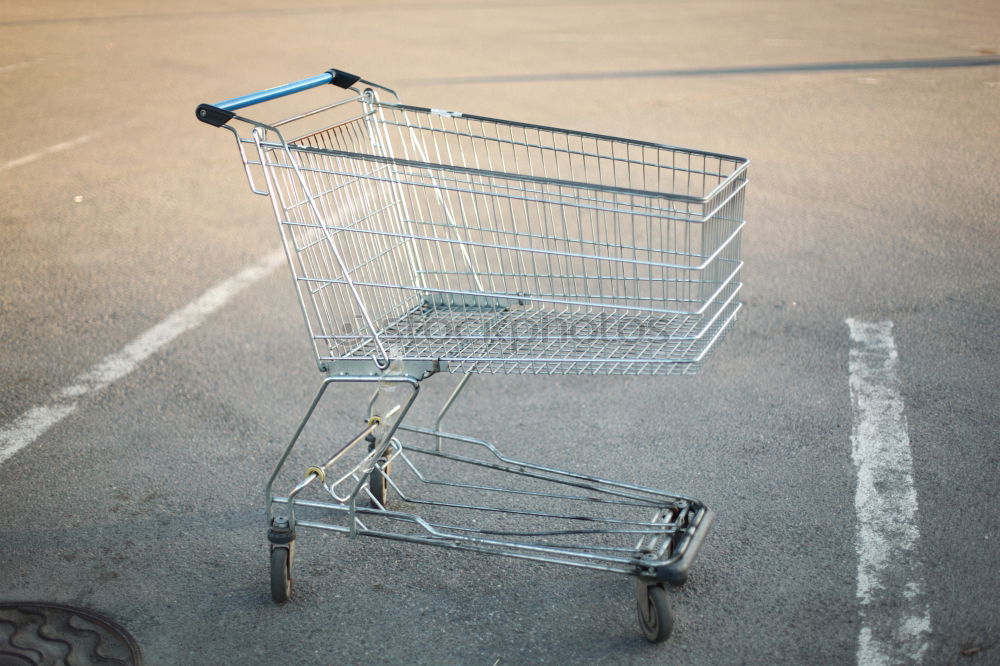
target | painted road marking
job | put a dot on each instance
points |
(18, 65)
(59, 147)
(32, 424)
(895, 616)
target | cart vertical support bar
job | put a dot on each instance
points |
(447, 406)
(268, 490)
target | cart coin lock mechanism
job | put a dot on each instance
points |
(424, 241)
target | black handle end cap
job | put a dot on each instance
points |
(343, 79)
(213, 115)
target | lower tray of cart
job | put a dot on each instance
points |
(460, 492)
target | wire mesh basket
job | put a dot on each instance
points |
(485, 245)
(424, 241)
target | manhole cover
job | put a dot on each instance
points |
(36, 634)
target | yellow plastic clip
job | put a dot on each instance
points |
(318, 471)
(375, 420)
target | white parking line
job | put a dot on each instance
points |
(65, 145)
(895, 617)
(17, 65)
(32, 424)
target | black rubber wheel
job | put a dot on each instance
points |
(281, 574)
(655, 616)
(377, 482)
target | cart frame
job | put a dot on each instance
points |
(445, 244)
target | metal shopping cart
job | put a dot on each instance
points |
(424, 241)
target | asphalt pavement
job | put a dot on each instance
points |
(132, 476)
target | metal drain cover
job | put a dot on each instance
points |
(40, 634)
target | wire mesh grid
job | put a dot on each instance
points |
(498, 246)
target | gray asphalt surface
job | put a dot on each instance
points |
(874, 195)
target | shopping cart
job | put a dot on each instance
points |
(425, 241)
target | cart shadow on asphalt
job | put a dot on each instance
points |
(985, 60)
(451, 604)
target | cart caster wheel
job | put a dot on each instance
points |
(378, 484)
(655, 616)
(281, 574)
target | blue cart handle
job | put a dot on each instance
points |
(221, 113)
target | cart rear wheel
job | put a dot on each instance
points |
(281, 574)
(378, 483)
(655, 616)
